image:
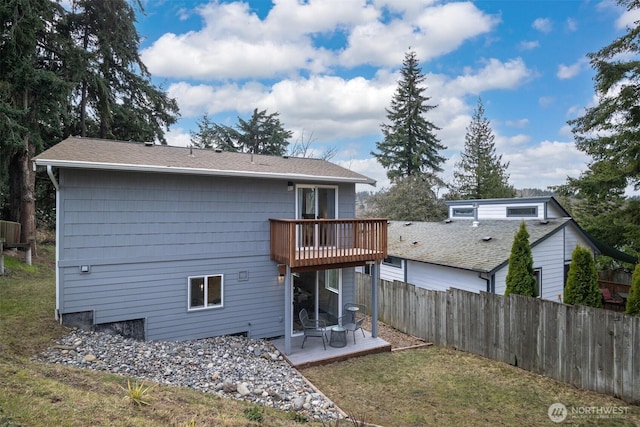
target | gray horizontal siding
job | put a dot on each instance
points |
(143, 235)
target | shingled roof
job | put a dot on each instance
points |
(89, 153)
(458, 244)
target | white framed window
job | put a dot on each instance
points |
(462, 212)
(205, 292)
(537, 274)
(393, 261)
(332, 280)
(522, 211)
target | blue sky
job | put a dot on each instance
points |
(330, 68)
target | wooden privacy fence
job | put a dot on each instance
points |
(590, 348)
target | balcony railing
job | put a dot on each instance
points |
(328, 243)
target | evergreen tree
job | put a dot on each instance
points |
(116, 99)
(609, 132)
(212, 135)
(633, 302)
(410, 199)
(582, 282)
(262, 134)
(520, 279)
(480, 173)
(64, 73)
(410, 147)
(32, 98)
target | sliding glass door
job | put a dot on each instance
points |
(319, 292)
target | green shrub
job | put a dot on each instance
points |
(520, 279)
(633, 303)
(254, 414)
(582, 282)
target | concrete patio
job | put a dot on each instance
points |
(314, 353)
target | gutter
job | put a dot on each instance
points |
(198, 171)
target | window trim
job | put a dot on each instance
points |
(327, 285)
(537, 274)
(462, 212)
(512, 215)
(390, 262)
(205, 291)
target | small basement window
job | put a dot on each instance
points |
(393, 261)
(462, 212)
(522, 211)
(205, 292)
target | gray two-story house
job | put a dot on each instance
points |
(173, 243)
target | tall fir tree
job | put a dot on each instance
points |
(65, 71)
(633, 302)
(520, 279)
(582, 281)
(410, 146)
(33, 95)
(609, 133)
(262, 134)
(480, 173)
(116, 99)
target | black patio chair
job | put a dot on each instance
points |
(312, 327)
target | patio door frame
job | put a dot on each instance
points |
(317, 208)
(316, 298)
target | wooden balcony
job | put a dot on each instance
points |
(309, 244)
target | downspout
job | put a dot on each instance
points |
(52, 177)
(55, 183)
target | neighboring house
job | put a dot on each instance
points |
(174, 243)
(470, 250)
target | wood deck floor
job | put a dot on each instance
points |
(314, 353)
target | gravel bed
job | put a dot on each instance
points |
(229, 366)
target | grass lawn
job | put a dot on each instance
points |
(35, 394)
(432, 386)
(442, 387)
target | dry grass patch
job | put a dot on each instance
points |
(37, 394)
(437, 386)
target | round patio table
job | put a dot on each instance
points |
(338, 337)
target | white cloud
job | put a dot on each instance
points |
(628, 19)
(545, 164)
(431, 31)
(543, 25)
(570, 71)
(545, 101)
(528, 44)
(178, 137)
(572, 25)
(494, 75)
(517, 123)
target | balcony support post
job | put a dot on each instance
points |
(288, 310)
(375, 280)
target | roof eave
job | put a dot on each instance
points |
(197, 171)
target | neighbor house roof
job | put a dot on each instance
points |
(519, 200)
(89, 153)
(458, 244)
